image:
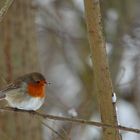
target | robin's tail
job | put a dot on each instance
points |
(2, 95)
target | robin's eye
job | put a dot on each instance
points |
(37, 82)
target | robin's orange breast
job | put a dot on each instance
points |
(37, 89)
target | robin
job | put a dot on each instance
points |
(26, 92)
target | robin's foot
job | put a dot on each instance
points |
(15, 109)
(32, 112)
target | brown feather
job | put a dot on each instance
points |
(9, 87)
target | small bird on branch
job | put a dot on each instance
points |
(26, 92)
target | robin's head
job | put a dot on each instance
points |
(34, 78)
(35, 84)
(37, 78)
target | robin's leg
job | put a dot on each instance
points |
(32, 112)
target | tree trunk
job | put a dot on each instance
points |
(18, 55)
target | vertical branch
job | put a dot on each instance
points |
(101, 68)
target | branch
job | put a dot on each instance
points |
(5, 8)
(101, 68)
(60, 135)
(73, 120)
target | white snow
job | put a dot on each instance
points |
(72, 112)
(114, 98)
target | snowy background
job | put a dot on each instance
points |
(65, 61)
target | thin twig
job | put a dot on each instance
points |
(5, 8)
(61, 136)
(72, 120)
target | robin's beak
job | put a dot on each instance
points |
(48, 83)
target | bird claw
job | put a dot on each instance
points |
(32, 112)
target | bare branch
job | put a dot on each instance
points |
(101, 68)
(5, 8)
(72, 120)
(61, 136)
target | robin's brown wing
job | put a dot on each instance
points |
(9, 87)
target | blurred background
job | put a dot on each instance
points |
(50, 36)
